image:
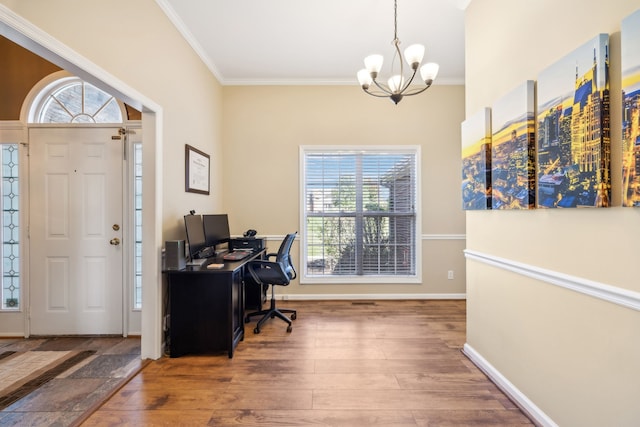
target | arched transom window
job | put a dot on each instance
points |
(71, 100)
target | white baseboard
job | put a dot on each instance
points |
(320, 297)
(523, 402)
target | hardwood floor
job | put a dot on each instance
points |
(360, 363)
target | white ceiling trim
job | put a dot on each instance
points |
(308, 82)
(182, 29)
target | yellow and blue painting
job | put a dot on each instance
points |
(513, 175)
(476, 161)
(630, 65)
(573, 141)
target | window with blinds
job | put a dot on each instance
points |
(360, 214)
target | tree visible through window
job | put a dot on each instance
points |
(360, 212)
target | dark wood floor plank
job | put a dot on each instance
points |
(313, 418)
(403, 400)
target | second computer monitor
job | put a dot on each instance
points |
(216, 229)
(195, 234)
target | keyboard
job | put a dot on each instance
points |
(236, 255)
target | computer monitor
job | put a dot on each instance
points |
(195, 234)
(216, 229)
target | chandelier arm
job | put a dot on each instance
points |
(406, 86)
(417, 91)
(396, 44)
(383, 87)
(379, 95)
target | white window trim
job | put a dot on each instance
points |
(395, 279)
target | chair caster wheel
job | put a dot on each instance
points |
(294, 316)
(256, 331)
(289, 328)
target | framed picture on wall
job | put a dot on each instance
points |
(513, 179)
(476, 161)
(197, 170)
(573, 142)
(630, 53)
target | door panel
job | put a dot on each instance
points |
(75, 201)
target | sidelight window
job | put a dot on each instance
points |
(10, 227)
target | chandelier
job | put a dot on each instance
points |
(397, 86)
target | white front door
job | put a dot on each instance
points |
(75, 226)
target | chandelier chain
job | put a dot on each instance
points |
(395, 21)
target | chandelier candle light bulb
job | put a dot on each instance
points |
(397, 86)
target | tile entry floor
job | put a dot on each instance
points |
(67, 399)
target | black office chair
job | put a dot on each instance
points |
(275, 273)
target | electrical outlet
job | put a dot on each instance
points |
(450, 275)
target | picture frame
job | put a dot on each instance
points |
(630, 70)
(573, 146)
(513, 178)
(197, 165)
(476, 161)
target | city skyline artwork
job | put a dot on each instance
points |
(513, 149)
(573, 140)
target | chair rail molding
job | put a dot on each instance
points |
(613, 294)
(444, 237)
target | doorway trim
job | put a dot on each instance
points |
(32, 38)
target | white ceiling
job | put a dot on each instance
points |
(319, 41)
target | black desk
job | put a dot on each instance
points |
(206, 307)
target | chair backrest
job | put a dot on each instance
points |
(284, 257)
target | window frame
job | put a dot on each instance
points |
(305, 278)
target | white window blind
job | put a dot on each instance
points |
(360, 212)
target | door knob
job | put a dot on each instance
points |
(115, 241)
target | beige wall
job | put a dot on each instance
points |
(265, 126)
(135, 42)
(134, 47)
(575, 356)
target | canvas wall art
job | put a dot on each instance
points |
(573, 149)
(630, 61)
(513, 149)
(476, 161)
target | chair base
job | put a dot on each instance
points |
(270, 314)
